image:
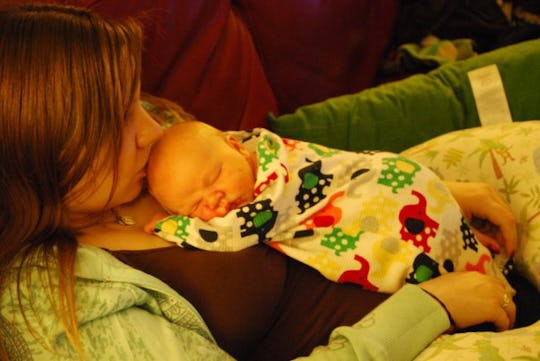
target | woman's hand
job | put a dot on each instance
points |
(472, 298)
(488, 213)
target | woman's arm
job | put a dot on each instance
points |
(397, 330)
(410, 319)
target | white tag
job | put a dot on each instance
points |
(489, 95)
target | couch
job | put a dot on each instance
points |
(309, 69)
(232, 63)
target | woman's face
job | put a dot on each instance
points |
(93, 192)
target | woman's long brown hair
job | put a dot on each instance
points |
(67, 80)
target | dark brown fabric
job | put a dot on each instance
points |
(258, 303)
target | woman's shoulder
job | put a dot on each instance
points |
(96, 265)
(109, 295)
(117, 286)
(101, 281)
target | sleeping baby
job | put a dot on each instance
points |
(376, 219)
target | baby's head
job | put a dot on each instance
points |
(196, 170)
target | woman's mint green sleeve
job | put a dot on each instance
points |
(397, 330)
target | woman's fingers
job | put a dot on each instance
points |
(489, 214)
(508, 317)
(472, 298)
(505, 308)
(501, 225)
(492, 244)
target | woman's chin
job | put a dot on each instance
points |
(129, 195)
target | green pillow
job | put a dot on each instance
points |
(398, 115)
(507, 156)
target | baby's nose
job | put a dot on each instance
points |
(217, 205)
(215, 199)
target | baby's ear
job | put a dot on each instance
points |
(236, 144)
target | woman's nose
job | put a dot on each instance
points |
(149, 131)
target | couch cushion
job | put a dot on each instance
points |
(313, 50)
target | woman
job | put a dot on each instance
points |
(75, 142)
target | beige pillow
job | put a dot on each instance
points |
(506, 156)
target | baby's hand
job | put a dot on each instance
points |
(150, 226)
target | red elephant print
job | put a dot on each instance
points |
(359, 276)
(329, 216)
(416, 225)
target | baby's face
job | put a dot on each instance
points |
(206, 178)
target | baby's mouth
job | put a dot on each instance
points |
(234, 204)
(237, 203)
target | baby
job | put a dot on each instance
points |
(376, 219)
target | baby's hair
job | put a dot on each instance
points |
(173, 144)
(164, 111)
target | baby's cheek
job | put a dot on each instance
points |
(204, 214)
